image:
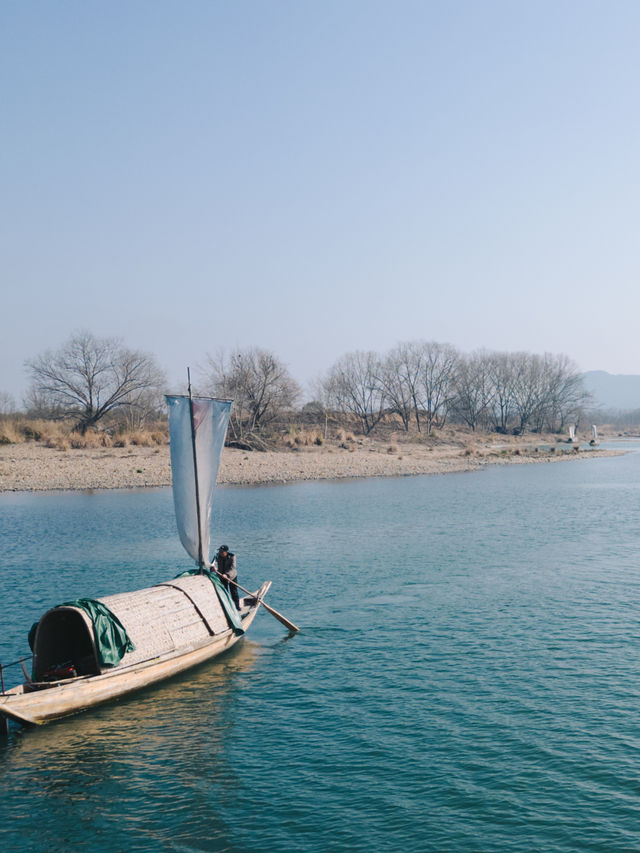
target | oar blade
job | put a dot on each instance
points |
(272, 610)
(280, 617)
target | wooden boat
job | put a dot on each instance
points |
(173, 626)
(90, 651)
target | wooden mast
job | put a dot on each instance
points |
(195, 473)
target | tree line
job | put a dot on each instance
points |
(418, 385)
(429, 383)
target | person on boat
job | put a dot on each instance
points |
(225, 564)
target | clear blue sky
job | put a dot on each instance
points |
(320, 176)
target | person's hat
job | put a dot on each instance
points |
(224, 548)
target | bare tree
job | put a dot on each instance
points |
(438, 364)
(473, 389)
(142, 407)
(353, 384)
(7, 404)
(88, 377)
(321, 403)
(502, 376)
(564, 394)
(259, 385)
(38, 405)
(528, 390)
(521, 391)
(398, 381)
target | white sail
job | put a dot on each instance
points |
(197, 428)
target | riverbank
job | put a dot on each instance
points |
(34, 467)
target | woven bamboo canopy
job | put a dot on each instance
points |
(170, 616)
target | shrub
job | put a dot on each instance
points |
(10, 435)
(95, 438)
(31, 433)
(139, 438)
(296, 437)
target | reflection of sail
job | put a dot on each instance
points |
(208, 428)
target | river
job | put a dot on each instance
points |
(466, 676)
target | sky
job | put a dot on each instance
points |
(317, 177)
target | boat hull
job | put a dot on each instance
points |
(30, 706)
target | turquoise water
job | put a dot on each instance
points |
(466, 677)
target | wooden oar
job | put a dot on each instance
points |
(271, 610)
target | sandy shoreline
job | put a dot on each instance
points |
(34, 467)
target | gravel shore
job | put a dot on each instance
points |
(34, 467)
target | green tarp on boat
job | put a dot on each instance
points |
(112, 640)
(230, 610)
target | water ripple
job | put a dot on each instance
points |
(473, 688)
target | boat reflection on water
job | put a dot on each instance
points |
(158, 721)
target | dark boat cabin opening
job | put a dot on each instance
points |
(64, 646)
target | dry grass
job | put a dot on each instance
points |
(91, 439)
(19, 430)
(297, 437)
(9, 434)
(144, 438)
(60, 435)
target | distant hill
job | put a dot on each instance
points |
(613, 391)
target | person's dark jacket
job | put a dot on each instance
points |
(227, 565)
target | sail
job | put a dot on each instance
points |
(207, 420)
